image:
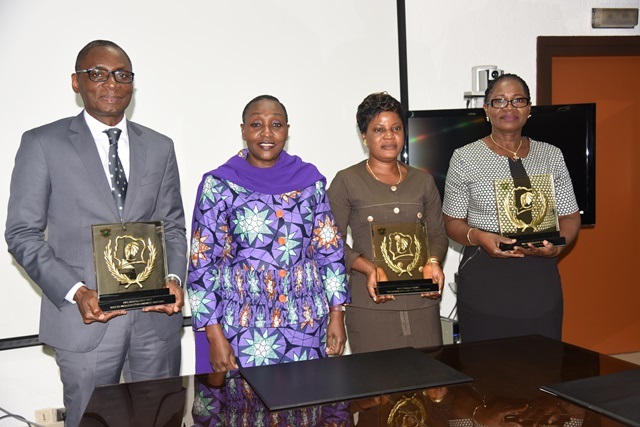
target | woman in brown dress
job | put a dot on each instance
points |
(380, 190)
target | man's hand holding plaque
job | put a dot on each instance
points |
(131, 268)
(87, 301)
(176, 307)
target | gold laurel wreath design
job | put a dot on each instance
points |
(401, 407)
(398, 270)
(121, 278)
(535, 222)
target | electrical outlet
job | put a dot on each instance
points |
(51, 417)
(46, 416)
(61, 414)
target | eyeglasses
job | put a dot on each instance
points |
(99, 75)
(516, 102)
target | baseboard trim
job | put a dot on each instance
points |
(32, 340)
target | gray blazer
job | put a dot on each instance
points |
(58, 190)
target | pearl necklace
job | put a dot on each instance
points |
(515, 153)
(393, 187)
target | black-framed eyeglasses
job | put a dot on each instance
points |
(99, 75)
(515, 102)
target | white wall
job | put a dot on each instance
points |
(198, 62)
(447, 38)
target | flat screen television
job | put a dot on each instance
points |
(433, 135)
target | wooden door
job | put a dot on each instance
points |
(600, 275)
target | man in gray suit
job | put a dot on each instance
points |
(60, 186)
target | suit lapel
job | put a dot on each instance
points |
(84, 144)
(137, 160)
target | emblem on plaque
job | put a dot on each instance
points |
(138, 255)
(410, 409)
(401, 250)
(130, 265)
(527, 210)
(401, 253)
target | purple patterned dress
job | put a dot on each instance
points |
(267, 267)
(235, 404)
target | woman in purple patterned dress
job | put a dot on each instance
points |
(267, 280)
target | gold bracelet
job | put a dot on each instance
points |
(469, 236)
(434, 260)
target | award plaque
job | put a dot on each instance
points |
(401, 250)
(130, 265)
(527, 211)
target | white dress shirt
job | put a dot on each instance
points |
(101, 139)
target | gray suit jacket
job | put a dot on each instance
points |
(59, 185)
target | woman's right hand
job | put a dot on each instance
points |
(374, 276)
(459, 230)
(490, 242)
(221, 354)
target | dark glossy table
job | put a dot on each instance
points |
(507, 376)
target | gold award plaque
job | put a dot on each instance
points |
(130, 265)
(527, 210)
(401, 250)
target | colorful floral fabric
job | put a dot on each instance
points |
(235, 404)
(261, 260)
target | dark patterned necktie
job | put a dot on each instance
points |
(118, 178)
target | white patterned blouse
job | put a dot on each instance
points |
(473, 168)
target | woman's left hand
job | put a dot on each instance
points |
(433, 271)
(549, 250)
(336, 334)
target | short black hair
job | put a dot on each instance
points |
(492, 83)
(98, 43)
(265, 98)
(375, 104)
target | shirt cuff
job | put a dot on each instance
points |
(72, 292)
(174, 277)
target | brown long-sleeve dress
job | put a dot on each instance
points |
(358, 201)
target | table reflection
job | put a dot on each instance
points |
(505, 392)
(462, 406)
(226, 399)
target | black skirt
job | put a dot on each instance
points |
(500, 298)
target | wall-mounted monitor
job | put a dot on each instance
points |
(433, 135)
